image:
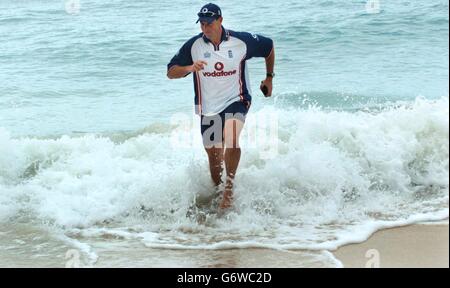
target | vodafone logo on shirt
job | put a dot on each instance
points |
(219, 66)
(219, 71)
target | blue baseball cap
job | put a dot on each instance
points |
(209, 13)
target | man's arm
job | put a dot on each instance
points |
(270, 64)
(177, 71)
(270, 61)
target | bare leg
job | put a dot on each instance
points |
(232, 157)
(215, 157)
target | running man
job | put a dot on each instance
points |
(217, 58)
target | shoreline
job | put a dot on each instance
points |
(416, 245)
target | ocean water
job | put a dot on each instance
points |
(99, 150)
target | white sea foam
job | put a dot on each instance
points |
(337, 178)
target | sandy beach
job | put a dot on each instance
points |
(410, 246)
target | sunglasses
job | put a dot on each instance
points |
(206, 14)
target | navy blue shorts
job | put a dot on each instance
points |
(212, 126)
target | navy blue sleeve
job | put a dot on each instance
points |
(184, 56)
(257, 45)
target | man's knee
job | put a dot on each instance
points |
(214, 153)
(232, 131)
(211, 145)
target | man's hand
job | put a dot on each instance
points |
(266, 87)
(176, 71)
(197, 66)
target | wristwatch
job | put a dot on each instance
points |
(270, 75)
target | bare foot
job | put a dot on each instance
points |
(227, 200)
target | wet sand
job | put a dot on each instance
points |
(411, 246)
